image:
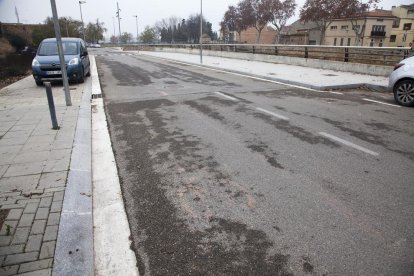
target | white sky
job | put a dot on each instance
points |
(148, 11)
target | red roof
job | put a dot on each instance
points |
(379, 13)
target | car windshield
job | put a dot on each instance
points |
(50, 48)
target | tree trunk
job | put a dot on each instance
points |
(258, 34)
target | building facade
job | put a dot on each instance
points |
(248, 36)
(375, 28)
(300, 33)
(403, 28)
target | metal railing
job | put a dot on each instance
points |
(387, 56)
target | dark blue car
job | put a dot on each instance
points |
(46, 64)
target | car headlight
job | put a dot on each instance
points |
(35, 62)
(74, 61)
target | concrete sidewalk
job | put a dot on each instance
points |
(34, 167)
(320, 79)
(46, 212)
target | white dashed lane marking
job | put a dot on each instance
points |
(227, 97)
(272, 113)
(349, 144)
(378, 102)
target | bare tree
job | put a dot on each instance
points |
(233, 22)
(281, 12)
(173, 25)
(355, 11)
(228, 24)
(322, 12)
(167, 24)
(256, 13)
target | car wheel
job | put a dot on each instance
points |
(82, 76)
(404, 93)
(39, 83)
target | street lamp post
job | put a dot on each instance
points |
(61, 54)
(83, 26)
(119, 21)
(136, 21)
(201, 32)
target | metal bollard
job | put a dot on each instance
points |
(51, 105)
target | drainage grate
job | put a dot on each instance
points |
(96, 96)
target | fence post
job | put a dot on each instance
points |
(406, 53)
(51, 105)
(306, 52)
(254, 49)
(276, 51)
(346, 55)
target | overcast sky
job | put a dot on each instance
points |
(148, 11)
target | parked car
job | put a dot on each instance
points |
(46, 64)
(401, 82)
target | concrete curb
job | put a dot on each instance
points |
(113, 253)
(378, 88)
(74, 247)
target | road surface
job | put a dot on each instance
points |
(224, 174)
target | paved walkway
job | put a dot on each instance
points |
(34, 165)
(322, 79)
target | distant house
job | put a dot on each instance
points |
(402, 33)
(300, 33)
(249, 36)
(377, 27)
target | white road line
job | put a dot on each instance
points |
(369, 100)
(272, 113)
(227, 97)
(251, 77)
(349, 144)
(164, 93)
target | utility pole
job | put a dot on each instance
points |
(136, 21)
(119, 21)
(201, 33)
(113, 22)
(83, 26)
(17, 15)
(61, 56)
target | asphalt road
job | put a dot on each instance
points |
(222, 174)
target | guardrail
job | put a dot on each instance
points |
(387, 56)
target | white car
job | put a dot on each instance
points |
(401, 82)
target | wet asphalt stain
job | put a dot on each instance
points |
(307, 267)
(127, 75)
(370, 138)
(138, 75)
(383, 127)
(267, 153)
(382, 111)
(246, 247)
(255, 145)
(279, 108)
(296, 131)
(205, 109)
(162, 238)
(285, 93)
